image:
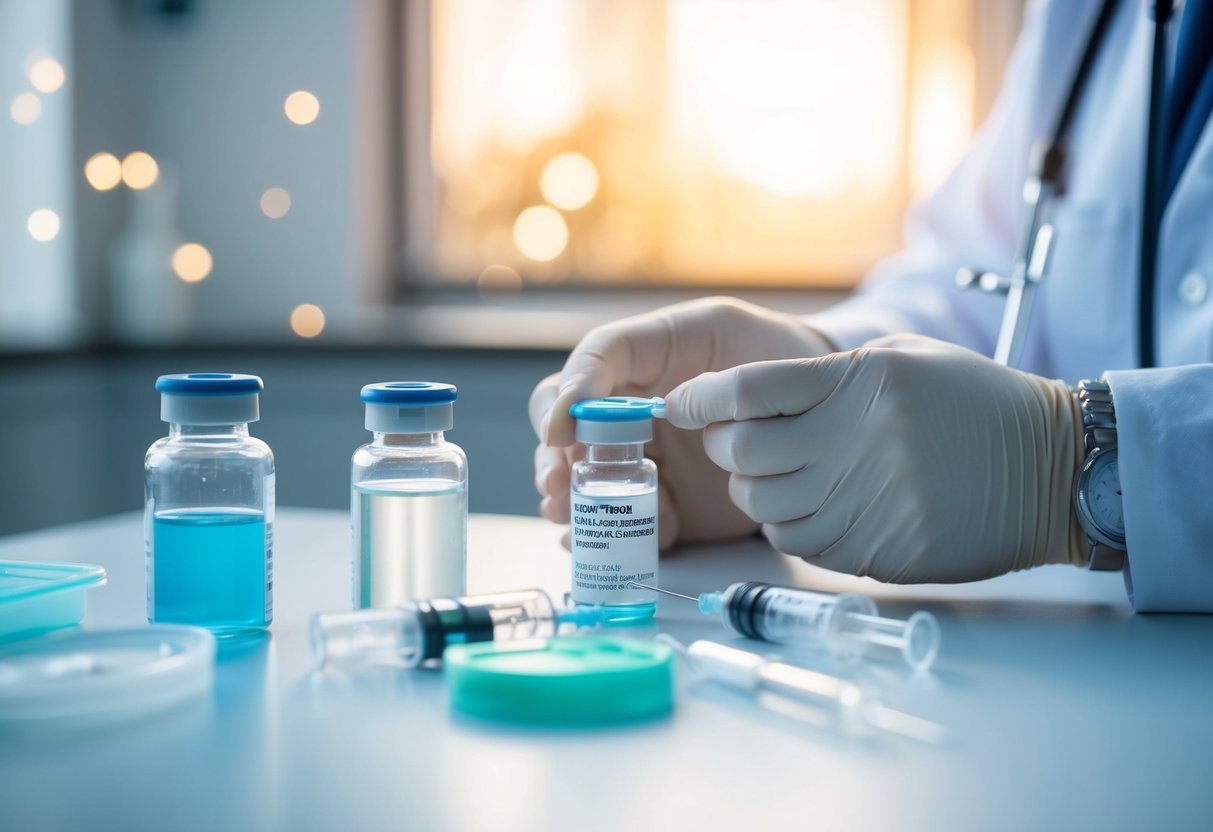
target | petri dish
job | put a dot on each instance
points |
(36, 598)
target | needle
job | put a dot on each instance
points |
(663, 591)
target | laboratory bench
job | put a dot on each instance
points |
(1064, 710)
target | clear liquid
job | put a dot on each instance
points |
(211, 568)
(410, 541)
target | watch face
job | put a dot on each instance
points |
(1102, 493)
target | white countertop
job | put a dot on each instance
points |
(1067, 711)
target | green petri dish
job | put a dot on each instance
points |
(570, 681)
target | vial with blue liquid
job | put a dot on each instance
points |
(209, 507)
(613, 497)
(408, 501)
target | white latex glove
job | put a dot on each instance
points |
(648, 355)
(909, 460)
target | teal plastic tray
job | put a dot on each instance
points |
(36, 598)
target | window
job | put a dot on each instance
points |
(683, 141)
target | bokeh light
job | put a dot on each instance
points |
(43, 225)
(25, 108)
(275, 202)
(540, 233)
(499, 279)
(46, 75)
(307, 320)
(103, 171)
(302, 107)
(139, 170)
(569, 181)
(192, 262)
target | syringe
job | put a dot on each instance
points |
(755, 674)
(846, 625)
(418, 631)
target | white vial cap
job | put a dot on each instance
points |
(409, 406)
(209, 398)
(616, 420)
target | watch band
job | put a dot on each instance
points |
(1099, 436)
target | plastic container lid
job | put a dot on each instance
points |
(616, 420)
(561, 681)
(38, 597)
(104, 674)
(409, 406)
(209, 398)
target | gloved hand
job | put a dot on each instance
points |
(909, 460)
(648, 355)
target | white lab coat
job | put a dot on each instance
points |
(1084, 323)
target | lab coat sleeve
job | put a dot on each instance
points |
(971, 220)
(1164, 421)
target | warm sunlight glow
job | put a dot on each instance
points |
(25, 108)
(139, 171)
(103, 171)
(307, 320)
(540, 233)
(43, 225)
(275, 203)
(46, 75)
(302, 107)
(942, 113)
(569, 181)
(192, 262)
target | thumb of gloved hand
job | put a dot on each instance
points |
(909, 460)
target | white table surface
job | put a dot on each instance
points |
(1067, 711)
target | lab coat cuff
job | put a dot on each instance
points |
(1165, 450)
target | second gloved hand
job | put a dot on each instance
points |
(909, 460)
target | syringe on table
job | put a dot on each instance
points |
(846, 624)
(751, 673)
(419, 631)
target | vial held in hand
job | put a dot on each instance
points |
(614, 508)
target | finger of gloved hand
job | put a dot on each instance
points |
(782, 498)
(629, 352)
(540, 404)
(808, 537)
(911, 342)
(551, 470)
(756, 391)
(759, 447)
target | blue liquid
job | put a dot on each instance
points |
(209, 569)
(625, 614)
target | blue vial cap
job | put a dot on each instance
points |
(409, 393)
(209, 398)
(618, 409)
(209, 384)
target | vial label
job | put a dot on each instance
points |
(614, 540)
(271, 496)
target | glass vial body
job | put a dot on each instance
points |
(208, 520)
(408, 498)
(613, 497)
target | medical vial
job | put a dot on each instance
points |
(408, 500)
(613, 497)
(209, 507)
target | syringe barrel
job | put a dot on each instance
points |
(789, 615)
(418, 631)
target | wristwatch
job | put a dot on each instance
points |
(1097, 497)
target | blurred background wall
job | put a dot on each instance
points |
(333, 192)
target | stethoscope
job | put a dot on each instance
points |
(1043, 186)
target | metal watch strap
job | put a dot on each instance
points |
(1099, 432)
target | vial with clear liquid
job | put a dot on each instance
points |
(613, 500)
(209, 507)
(408, 501)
